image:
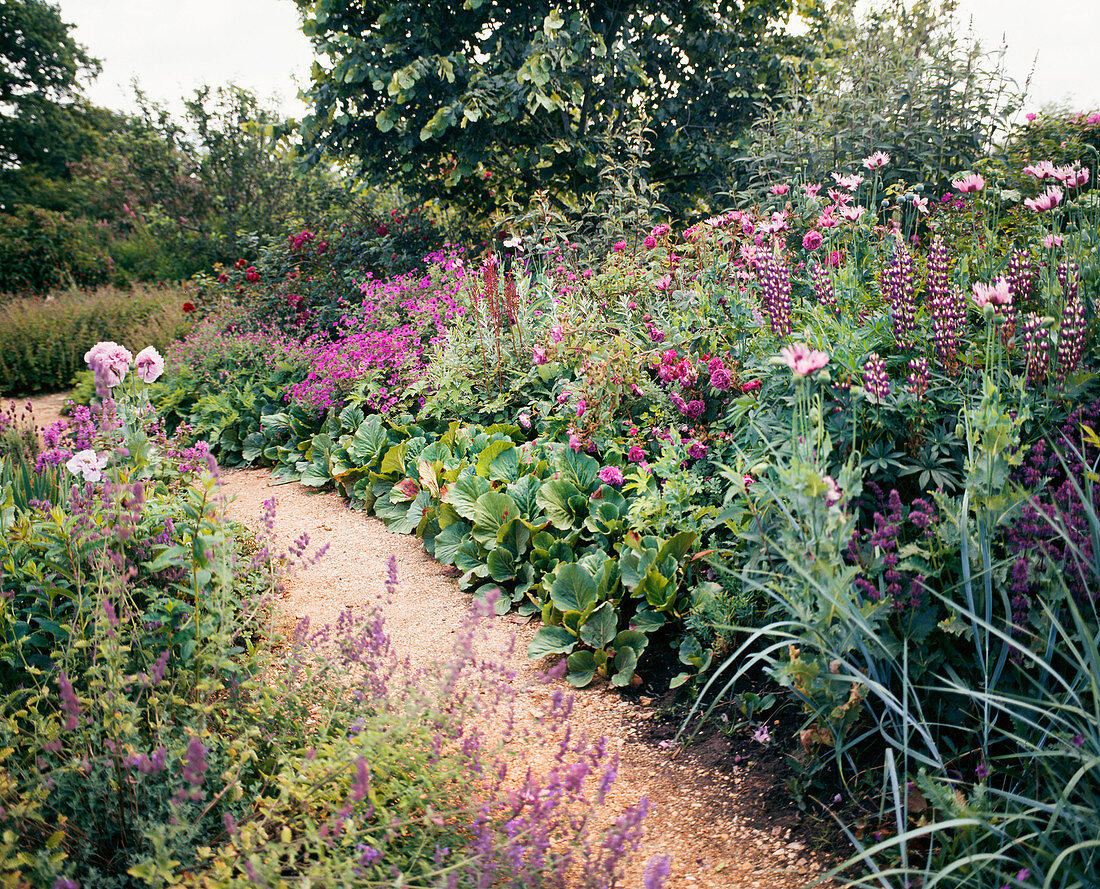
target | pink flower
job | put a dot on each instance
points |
(148, 365)
(575, 441)
(697, 450)
(88, 465)
(751, 386)
(827, 219)
(876, 160)
(812, 240)
(833, 494)
(997, 294)
(1041, 170)
(1031, 115)
(619, 246)
(780, 189)
(851, 183)
(664, 282)
(973, 182)
(611, 475)
(582, 406)
(1048, 200)
(109, 361)
(538, 355)
(835, 259)
(556, 333)
(811, 190)
(748, 480)
(802, 360)
(852, 214)
(650, 242)
(921, 205)
(251, 274)
(525, 420)
(1052, 241)
(635, 454)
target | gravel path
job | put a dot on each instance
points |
(719, 824)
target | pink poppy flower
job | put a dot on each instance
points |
(664, 282)
(1052, 241)
(802, 360)
(997, 294)
(812, 240)
(611, 475)
(973, 182)
(148, 365)
(780, 189)
(876, 160)
(851, 182)
(1048, 200)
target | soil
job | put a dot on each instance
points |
(718, 808)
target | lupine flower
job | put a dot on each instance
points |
(945, 304)
(1071, 336)
(1036, 341)
(972, 183)
(611, 475)
(876, 160)
(1021, 276)
(875, 379)
(900, 291)
(775, 280)
(918, 379)
(1048, 200)
(824, 289)
(149, 365)
(802, 360)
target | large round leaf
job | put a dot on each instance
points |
(492, 510)
(464, 493)
(600, 627)
(449, 540)
(574, 589)
(554, 498)
(551, 640)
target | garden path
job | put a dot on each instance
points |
(718, 816)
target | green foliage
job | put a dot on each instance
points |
(899, 78)
(492, 103)
(43, 341)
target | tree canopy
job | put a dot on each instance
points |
(487, 101)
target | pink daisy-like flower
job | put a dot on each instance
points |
(851, 182)
(1048, 200)
(876, 160)
(998, 294)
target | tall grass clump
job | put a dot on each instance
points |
(43, 340)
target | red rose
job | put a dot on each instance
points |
(188, 307)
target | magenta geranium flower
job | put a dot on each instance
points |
(611, 475)
(973, 182)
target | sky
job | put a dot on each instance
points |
(173, 46)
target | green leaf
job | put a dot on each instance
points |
(551, 640)
(501, 564)
(464, 494)
(499, 461)
(553, 498)
(449, 540)
(515, 535)
(580, 469)
(582, 668)
(525, 495)
(492, 510)
(368, 441)
(600, 627)
(573, 589)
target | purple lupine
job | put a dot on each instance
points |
(775, 280)
(919, 377)
(897, 280)
(824, 289)
(945, 304)
(1021, 275)
(1036, 340)
(1071, 336)
(1068, 278)
(875, 379)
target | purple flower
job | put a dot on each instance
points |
(762, 735)
(983, 771)
(656, 873)
(697, 450)
(636, 454)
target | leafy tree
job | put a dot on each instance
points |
(491, 101)
(45, 123)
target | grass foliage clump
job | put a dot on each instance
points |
(43, 340)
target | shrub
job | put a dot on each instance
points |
(43, 340)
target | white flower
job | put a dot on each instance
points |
(87, 464)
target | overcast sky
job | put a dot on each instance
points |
(172, 46)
